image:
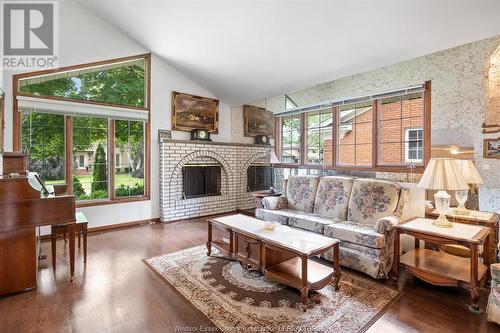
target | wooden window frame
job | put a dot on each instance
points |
(17, 129)
(279, 138)
(304, 132)
(375, 167)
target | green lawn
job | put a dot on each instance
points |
(86, 181)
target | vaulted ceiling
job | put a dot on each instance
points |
(243, 50)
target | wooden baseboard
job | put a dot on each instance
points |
(114, 226)
(111, 227)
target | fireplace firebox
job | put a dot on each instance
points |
(260, 178)
(201, 181)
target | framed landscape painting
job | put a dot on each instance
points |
(491, 148)
(191, 112)
(257, 121)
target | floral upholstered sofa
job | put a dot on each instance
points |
(360, 212)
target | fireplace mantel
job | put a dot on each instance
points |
(197, 142)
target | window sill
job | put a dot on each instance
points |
(91, 203)
(379, 168)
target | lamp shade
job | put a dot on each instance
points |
(443, 174)
(273, 159)
(469, 172)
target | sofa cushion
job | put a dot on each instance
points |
(356, 233)
(332, 197)
(309, 221)
(301, 192)
(272, 215)
(372, 199)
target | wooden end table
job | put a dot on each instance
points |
(261, 195)
(485, 219)
(283, 255)
(440, 268)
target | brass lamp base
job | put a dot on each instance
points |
(442, 222)
(461, 211)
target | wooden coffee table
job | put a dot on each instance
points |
(283, 254)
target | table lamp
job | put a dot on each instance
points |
(472, 177)
(442, 174)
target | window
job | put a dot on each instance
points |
(43, 141)
(289, 103)
(400, 134)
(121, 83)
(380, 132)
(79, 114)
(90, 136)
(354, 135)
(129, 175)
(414, 149)
(291, 139)
(319, 137)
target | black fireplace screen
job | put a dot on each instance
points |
(201, 181)
(260, 178)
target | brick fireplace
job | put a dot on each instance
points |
(234, 161)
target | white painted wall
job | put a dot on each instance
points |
(83, 38)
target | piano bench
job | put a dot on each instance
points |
(62, 229)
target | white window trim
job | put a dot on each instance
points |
(407, 146)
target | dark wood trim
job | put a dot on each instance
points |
(111, 227)
(68, 158)
(79, 66)
(334, 136)
(303, 138)
(104, 202)
(277, 137)
(147, 160)
(147, 82)
(2, 119)
(375, 132)
(496, 130)
(389, 168)
(16, 120)
(82, 101)
(336, 126)
(111, 159)
(427, 122)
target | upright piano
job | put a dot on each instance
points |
(22, 210)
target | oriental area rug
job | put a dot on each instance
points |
(239, 300)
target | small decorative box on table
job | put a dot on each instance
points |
(440, 268)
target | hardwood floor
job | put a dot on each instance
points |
(116, 292)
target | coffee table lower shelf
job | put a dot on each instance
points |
(289, 272)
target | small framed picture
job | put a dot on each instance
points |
(164, 135)
(491, 148)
